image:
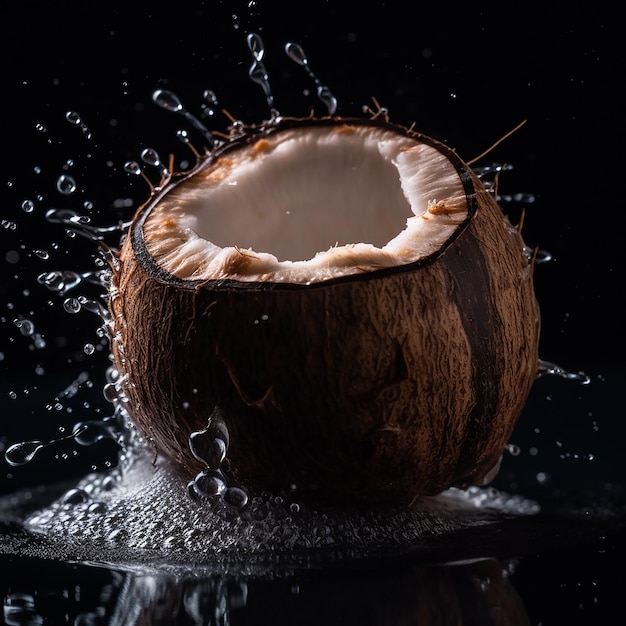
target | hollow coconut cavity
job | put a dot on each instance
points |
(308, 204)
(344, 297)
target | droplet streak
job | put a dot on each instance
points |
(257, 71)
(24, 452)
(171, 102)
(296, 53)
(89, 432)
(81, 224)
(551, 369)
(74, 118)
(62, 281)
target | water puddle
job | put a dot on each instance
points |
(148, 517)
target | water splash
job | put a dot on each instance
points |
(148, 515)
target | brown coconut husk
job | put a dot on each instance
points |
(374, 387)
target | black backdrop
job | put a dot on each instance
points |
(466, 75)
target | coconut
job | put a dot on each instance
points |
(341, 302)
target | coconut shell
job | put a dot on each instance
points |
(376, 387)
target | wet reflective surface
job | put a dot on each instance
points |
(498, 569)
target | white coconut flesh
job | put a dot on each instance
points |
(309, 204)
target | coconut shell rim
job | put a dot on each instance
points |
(254, 133)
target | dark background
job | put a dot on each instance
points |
(466, 75)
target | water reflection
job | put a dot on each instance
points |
(477, 592)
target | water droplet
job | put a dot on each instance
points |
(97, 507)
(109, 483)
(26, 327)
(111, 392)
(22, 452)
(236, 497)
(66, 184)
(209, 483)
(132, 167)
(28, 206)
(541, 256)
(42, 254)
(72, 305)
(210, 96)
(211, 444)
(151, 157)
(75, 496)
(255, 44)
(167, 100)
(513, 449)
(207, 449)
(296, 53)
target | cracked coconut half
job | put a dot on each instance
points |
(346, 296)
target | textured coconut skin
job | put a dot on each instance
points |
(373, 388)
